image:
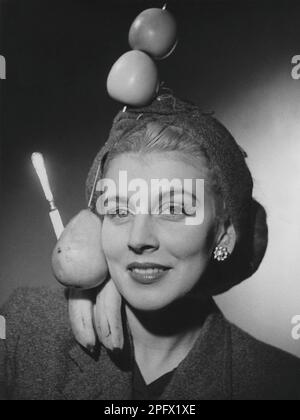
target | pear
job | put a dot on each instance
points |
(78, 259)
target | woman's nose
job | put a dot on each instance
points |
(142, 236)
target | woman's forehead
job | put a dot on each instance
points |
(159, 165)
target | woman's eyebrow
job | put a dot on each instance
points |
(173, 192)
(117, 198)
(161, 195)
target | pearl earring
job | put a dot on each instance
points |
(221, 253)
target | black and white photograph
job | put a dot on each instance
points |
(150, 202)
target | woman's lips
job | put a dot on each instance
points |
(147, 276)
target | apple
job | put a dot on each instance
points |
(133, 79)
(154, 31)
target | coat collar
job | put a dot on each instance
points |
(104, 376)
(204, 374)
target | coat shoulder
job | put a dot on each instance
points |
(261, 371)
(38, 338)
(37, 311)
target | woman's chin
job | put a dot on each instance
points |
(147, 301)
(147, 305)
(141, 296)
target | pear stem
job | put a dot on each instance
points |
(94, 186)
(165, 6)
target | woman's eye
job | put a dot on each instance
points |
(120, 213)
(175, 210)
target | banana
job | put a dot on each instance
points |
(101, 323)
(108, 317)
(81, 317)
(102, 319)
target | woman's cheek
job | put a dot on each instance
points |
(112, 248)
(189, 241)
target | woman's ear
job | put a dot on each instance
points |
(227, 237)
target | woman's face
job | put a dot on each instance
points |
(163, 239)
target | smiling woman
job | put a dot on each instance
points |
(157, 239)
(174, 341)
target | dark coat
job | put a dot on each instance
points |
(40, 360)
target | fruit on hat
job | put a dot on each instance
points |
(133, 79)
(154, 31)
